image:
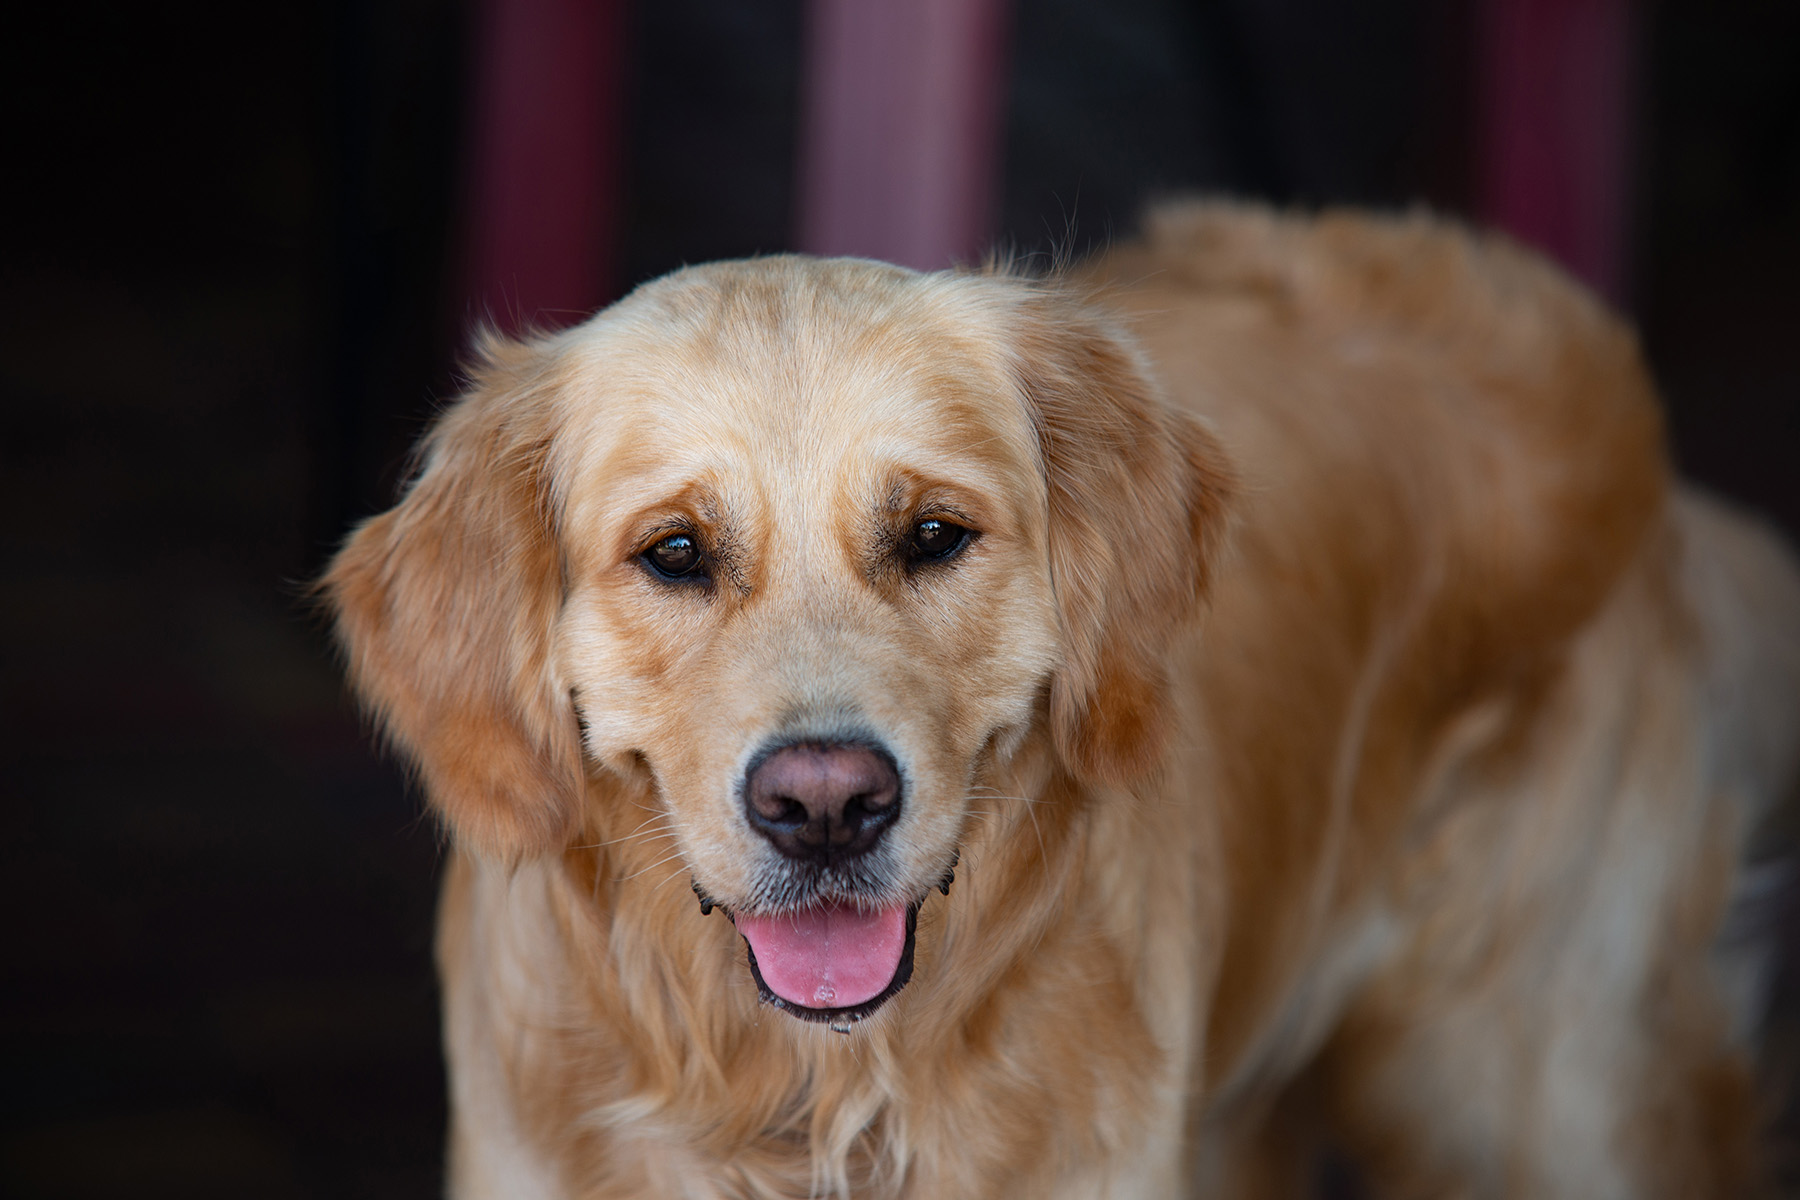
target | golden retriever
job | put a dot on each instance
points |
(1125, 733)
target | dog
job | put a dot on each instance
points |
(1255, 700)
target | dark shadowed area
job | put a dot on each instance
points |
(230, 300)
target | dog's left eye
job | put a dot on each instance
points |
(675, 557)
(934, 539)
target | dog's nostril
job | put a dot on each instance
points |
(874, 801)
(822, 800)
(779, 810)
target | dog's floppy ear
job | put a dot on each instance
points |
(1139, 501)
(445, 606)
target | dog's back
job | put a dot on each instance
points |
(1507, 712)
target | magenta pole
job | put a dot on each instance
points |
(544, 160)
(1554, 111)
(900, 128)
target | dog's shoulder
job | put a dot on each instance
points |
(1409, 400)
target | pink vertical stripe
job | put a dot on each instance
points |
(1555, 139)
(544, 159)
(901, 128)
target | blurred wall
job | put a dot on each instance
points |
(232, 293)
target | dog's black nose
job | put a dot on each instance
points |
(824, 802)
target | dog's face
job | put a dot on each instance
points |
(807, 588)
(809, 545)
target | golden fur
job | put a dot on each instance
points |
(1349, 732)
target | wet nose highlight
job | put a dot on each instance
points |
(823, 801)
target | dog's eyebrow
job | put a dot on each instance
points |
(657, 528)
(692, 509)
(936, 509)
(910, 490)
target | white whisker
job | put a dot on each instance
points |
(665, 831)
(675, 874)
(659, 862)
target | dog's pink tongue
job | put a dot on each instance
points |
(830, 956)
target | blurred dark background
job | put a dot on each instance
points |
(233, 289)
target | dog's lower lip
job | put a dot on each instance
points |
(841, 1019)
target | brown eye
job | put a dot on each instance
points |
(674, 557)
(935, 539)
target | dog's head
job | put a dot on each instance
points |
(807, 545)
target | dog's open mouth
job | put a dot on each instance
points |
(832, 962)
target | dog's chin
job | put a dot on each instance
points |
(831, 952)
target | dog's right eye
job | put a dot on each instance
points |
(675, 557)
(935, 539)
